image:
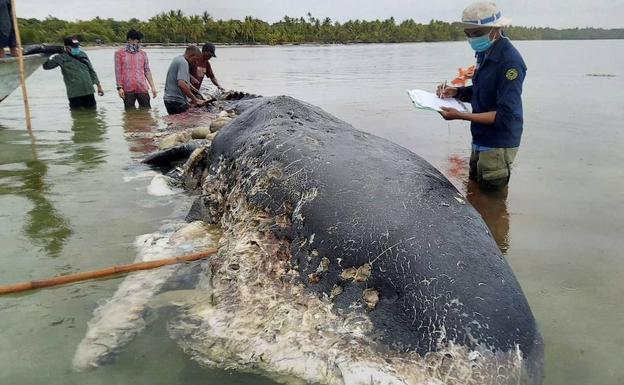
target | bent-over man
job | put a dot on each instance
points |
(204, 69)
(178, 83)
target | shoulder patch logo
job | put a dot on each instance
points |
(511, 74)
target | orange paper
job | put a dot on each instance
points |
(464, 74)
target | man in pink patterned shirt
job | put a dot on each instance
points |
(133, 73)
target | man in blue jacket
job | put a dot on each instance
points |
(495, 96)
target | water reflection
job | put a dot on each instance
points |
(44, 225)
(88, 127)
(139, 126)
(492, 205)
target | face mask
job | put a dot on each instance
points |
(75, 50)
(481, 43)
(133, 47)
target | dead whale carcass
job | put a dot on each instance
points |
(346, 259)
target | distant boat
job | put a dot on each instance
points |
(10, 75)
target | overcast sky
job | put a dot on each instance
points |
(551, 13)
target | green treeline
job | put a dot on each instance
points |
(176, 27)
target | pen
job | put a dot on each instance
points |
(443, 89)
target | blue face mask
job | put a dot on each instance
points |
(481, 43)
(75, 50)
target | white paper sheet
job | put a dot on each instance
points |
(428, 101)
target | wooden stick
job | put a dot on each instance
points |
(20, 58)
(114, 270)
(196, 92)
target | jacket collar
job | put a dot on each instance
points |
(495, 53)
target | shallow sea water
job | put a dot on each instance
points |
(77, 199)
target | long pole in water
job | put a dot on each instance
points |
(107, 272)
(20, 59)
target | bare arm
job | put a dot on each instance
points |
(194, 81)
(148, 74)
(186, 90)
(151, 83)
(464, 94)
(214, 81)
(487, 118)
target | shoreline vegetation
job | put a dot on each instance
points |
(175, 28)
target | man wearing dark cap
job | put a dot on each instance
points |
(78, 74)
(133, 73)
(203, 68)
(178, 82)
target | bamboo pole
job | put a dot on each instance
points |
(20, 58)
(107, 272)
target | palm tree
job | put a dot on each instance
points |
(195, 28)
(206, 18)
(248, 30)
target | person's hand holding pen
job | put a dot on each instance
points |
(446, 92)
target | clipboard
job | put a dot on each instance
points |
(424, 100)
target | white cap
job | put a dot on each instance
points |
(483, 14)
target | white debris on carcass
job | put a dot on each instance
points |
(119, 320)
(257, 315)
(306, 197)
(160, 186)
(251, 311)
(139, 175)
